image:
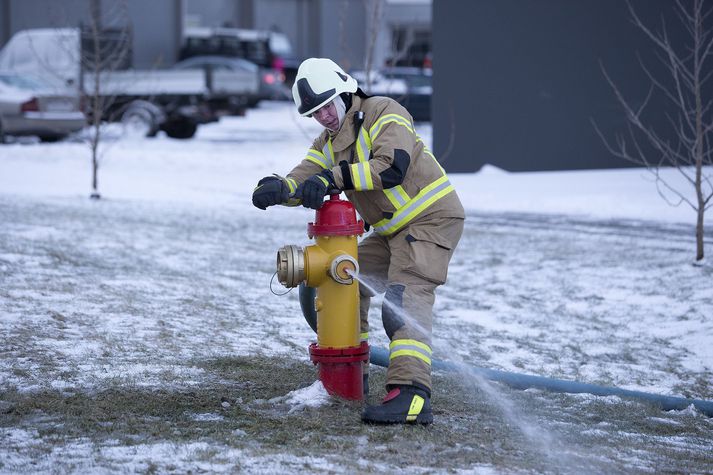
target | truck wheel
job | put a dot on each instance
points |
(51, 138)
(140, 120)
(180, 129)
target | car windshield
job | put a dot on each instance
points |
(22, 82)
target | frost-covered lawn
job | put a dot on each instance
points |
(139, 333)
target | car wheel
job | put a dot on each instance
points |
(139, 120)
(180, 129)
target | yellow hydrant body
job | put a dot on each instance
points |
(337, 304)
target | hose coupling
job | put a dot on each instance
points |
(291, 265)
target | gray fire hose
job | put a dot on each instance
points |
(380, 357)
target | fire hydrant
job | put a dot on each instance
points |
(330, 265)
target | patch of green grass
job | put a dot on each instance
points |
(470, 428)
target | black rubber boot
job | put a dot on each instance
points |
(403, 404)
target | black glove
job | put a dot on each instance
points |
(270, 191)
(313, 189)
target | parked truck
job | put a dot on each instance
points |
(175, 101)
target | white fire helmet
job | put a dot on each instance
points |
(318, 81)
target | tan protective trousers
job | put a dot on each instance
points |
(408, 267)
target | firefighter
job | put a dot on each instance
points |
(370, 151)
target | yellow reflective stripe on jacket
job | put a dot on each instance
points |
(364, 336)
(328, 152)
(361, 176)
(414, 207)
(397, 195)
(399, 119)
(317, 157)
(363, 145)
(291, 184)
(410, 348)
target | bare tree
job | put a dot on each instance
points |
(401, 47)
(103, 51)
(374, 9)
(687, 145)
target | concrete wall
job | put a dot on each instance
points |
(158, 32)
(517, 83)
(298, 20)
(343, 32)
(212, 13)
(338, 29)
(157, 25)
(23, 14)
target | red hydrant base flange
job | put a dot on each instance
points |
(341, 369)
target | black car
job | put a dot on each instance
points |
(410, 87)
(420, 89)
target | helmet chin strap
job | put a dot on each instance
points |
(341, 110)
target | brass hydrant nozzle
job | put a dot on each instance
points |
(343, 269)
(290, 265)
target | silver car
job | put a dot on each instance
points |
(29, 106)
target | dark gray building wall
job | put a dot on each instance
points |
(517, 83)
(284, 16)
(327, 28)
(5, 24)
(343, 32)
(156, 25)
(24, 14)
(298, 20)
(338, 29)
(214, 13)
(158, 32)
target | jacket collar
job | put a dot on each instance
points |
(346, 135)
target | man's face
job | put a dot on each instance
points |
(327, 116)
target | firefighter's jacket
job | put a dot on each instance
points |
(383, 166)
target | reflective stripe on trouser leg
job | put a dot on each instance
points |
(410, 349)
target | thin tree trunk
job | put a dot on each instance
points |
(699, 235)
(700, 136)
(97, 103)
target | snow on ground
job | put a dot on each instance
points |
(224, 161)
(580, 275)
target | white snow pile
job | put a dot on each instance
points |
(314, 395)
